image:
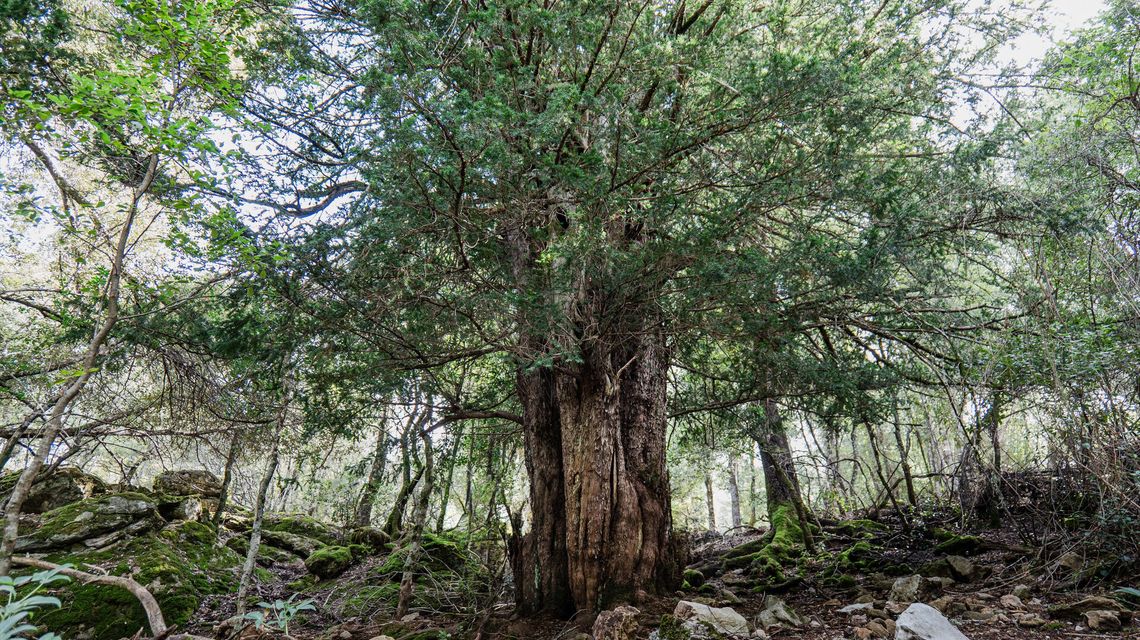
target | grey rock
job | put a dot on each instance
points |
(775, 612)
(616, 624)
(95, 523)
(909, 589)
(188, 482)
(923, 622)
(723, 620)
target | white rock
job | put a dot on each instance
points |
(723, 619)
(855, 608)
(908, 589)
(776, 611)
(923, 622)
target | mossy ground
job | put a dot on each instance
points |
(179, 565)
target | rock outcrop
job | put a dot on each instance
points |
(92, 523)
(54, 490)
(188, 482)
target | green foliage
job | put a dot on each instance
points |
(23, 601)
(278, 614)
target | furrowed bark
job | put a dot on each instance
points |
(618, 519)
(538, 557)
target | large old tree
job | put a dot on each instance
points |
(582, 189)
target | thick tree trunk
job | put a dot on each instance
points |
(618, 521)
(363, 516)
(734, 488)
(710, 500)
(538, 558)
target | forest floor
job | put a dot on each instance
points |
(995, 587)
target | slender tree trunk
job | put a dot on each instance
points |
(258, 517)
(227, 480)
(904, 461)
(734, 488)
(751, 488)
(612, 407)
(363, 517)
(446, 492)
(780, 480)
(710, 500)
(419, 520)
(75, 385)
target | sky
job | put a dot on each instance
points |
(1066, 15)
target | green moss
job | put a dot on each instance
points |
(859, 528)
(692, 579)
(267, 554)
(366, 600)
(670, 628)
(174, 565)
(66, 521)
(329, 562)
(960, 544)
(445, 549)
(302, 525)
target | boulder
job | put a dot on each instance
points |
(616, 624)
(1071, 561)
(856, 608)
(302, 525)
(1022, 591)
(179, 564)
(303, 546)
(329, 562)
(188, 482)
(181, 508)
(923, 622)
(54, 490)
(375, 539)
(962, 569)
(775, 612)
(94, 522)
(723, 620)
(909, 589)
(267, 554)
(1102, 620)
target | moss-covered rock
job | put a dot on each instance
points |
(301, 545)
(180, 565)
(692, 579)
(862, 528)
(375, 539)
(301, 525)
(188, 482)
(953, 543)
(92, 523)
(267, 554)
(54, 490)
(329, 562)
